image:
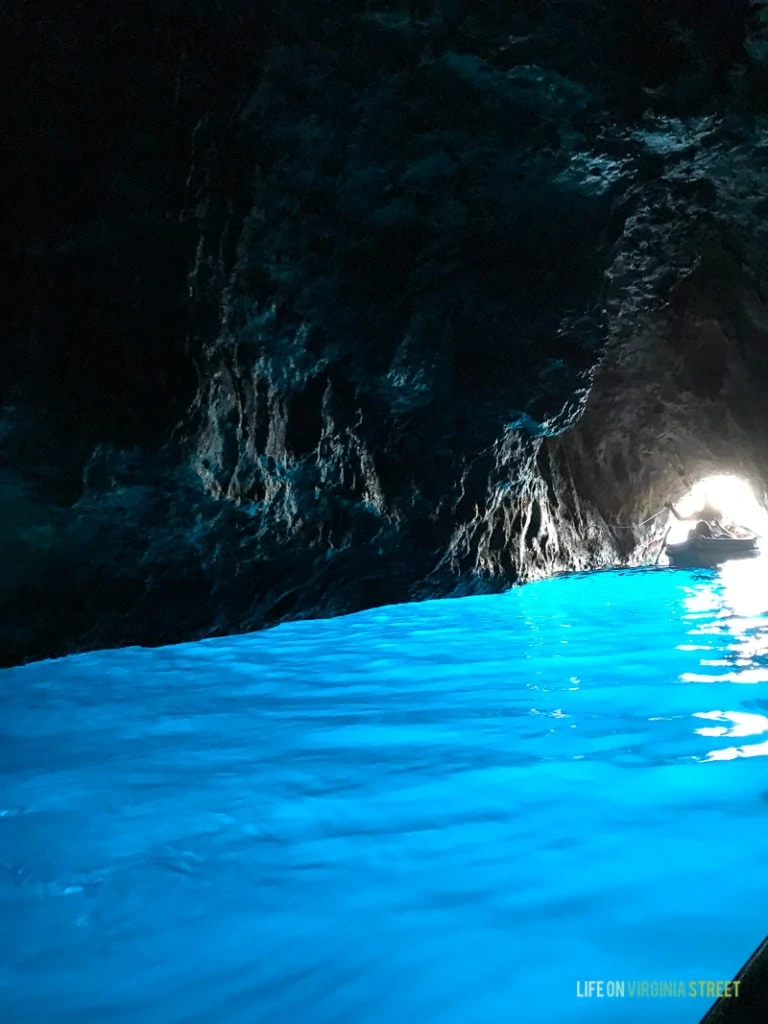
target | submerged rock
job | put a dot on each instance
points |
(317, 311)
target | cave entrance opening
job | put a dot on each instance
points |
(731, 495)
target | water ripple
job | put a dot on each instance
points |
(442, 811)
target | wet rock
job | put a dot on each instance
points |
(312, 313)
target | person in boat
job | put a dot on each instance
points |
(707, 519)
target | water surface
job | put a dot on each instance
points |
(448, 812)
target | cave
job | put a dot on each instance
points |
(321, 308)
(487, 319)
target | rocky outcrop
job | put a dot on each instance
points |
(312, 313)
(679, 392)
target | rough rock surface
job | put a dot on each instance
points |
(309, 312)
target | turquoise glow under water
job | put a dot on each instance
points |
(449, 812)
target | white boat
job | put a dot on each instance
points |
(707, 552)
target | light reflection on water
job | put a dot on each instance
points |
(447, 812)
(743, 724)
(731, 604)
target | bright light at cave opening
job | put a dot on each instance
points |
(731, 496)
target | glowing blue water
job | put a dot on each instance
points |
(448, 812)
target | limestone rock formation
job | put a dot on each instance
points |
(318, 307)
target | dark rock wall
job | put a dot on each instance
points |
(315, 309)
(687, 296)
